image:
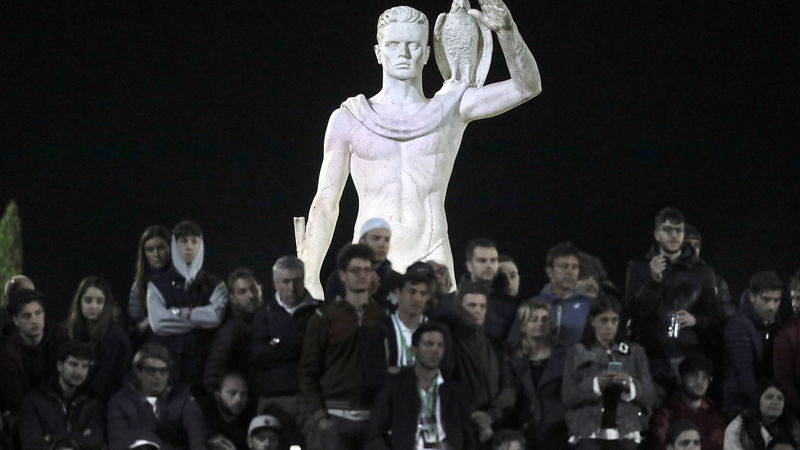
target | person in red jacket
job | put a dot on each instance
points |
(691, 403)
(786, 349)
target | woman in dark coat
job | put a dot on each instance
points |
(91, 319)
(535, 372)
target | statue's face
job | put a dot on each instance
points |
(404, 50)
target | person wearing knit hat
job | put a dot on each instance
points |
(264, 433)
(375, 233)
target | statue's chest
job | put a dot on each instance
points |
(439, 143)
(369, 146)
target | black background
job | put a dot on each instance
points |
(123, 114)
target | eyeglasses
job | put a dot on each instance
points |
(358, 271)
(152, 371)
(666, 229)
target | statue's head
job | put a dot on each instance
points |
(402, 47)
(401, 14)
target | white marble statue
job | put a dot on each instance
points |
(400, 146)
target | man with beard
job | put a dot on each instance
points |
(748, 342)
(483, 265)
(225, 353)
(64, 408)
(671, 298)
(417, 408)
(691, 403)
(228, 415)
(479, 360)
(339, 368)
(569, 306)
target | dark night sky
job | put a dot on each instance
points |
(119, 115)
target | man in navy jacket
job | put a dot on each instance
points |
(277, 344)
(748, 342)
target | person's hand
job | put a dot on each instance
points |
(220, 442)
(657, 266)
(606, 380)
(623, 380)
(482, 419)
(484, 434)
(324, 423)
(494, 15)
(685, 318)
(143, 326)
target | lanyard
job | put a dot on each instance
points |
(406, 358)
(428, 421)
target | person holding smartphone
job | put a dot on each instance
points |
(607, 388)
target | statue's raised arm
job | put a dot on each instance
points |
(497, 98)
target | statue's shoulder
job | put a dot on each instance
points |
(357, 105)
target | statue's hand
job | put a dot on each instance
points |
(494, 15)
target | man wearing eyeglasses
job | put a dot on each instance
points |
(375, 233)
(671, 297)
(692, 403)
(150, 403)
(748, 342)
(342, 360)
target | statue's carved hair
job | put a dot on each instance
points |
(400, 14)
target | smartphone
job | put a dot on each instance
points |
(615, 366)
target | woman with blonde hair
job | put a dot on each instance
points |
(536, 366)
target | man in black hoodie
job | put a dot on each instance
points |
(670, 297)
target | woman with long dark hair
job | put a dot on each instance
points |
(767, 416)
(536, 369)
(152, 257)
(607, 388)
(91, 319)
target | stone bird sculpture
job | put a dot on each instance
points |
(462, 46)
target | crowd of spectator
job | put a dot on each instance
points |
(406, 361)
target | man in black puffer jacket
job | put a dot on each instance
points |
(671, 299)
(150, 403)
(64, 408)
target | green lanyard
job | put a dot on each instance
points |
(429, 409)
(409, 358)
